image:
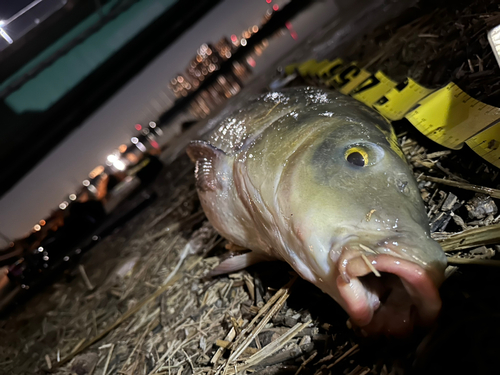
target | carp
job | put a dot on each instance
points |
(316, 179)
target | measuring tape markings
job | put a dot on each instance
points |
(373, 88)
(486, 144)
(447, 115)
(329, 70)
(401, 99)
(321, 66)
(450, 117)
(349, 78)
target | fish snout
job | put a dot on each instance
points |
(385, 293)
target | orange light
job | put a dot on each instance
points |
(122, 148)
(42, 222)
(96, 172)
(132, 158)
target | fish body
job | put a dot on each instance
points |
(313, 178)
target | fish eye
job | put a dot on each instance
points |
(357, 156)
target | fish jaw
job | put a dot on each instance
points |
(387, 294)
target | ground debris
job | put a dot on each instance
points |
(435, 43)
(481, 206)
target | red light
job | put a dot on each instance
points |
(288, 25)
(234, 38)
(251, 62)
(138, 127)
(294, 35)
(276, 7)
(269, 1)
(154, 144)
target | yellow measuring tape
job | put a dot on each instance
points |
(448, 116)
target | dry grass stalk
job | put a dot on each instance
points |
(247, 335)
(308, 360)
(172, 209)
(494, 193)
(267, 351)
(108, 359)
(188, 359)
(49, 362)
(276, 345)
(77, 347)
(139, 343)
(370, 266)
(226, 344)
(276, 302)
(472, 238)
(250, 286)
(247, 341)
(366, 248)
(365, 372)
(229, 338)
(85, 278)
(346, 354)
(175, 276)
(477, 262)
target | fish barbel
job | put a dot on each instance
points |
(316, 179)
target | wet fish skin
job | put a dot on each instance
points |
(275, 178)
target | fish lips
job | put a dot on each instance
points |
(387, 294)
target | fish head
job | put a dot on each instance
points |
(359, 228)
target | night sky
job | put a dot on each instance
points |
(62, 171)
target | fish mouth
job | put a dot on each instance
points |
(385, 293)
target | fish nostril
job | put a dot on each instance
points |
(403, 187)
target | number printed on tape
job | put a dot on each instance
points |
(330, 69)
(350, 78)
(396, 103)
(373, 88)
